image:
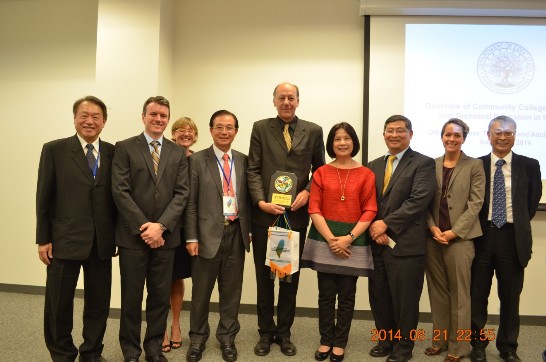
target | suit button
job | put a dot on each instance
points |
(448, 196)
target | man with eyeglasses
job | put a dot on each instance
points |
(218, 233)
(289, 144)
(405, 184)
(150, 189)
(512, 194)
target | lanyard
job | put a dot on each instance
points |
(96, 166)
(228, 181)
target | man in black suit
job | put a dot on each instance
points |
(75, 228)
(150, 188)
(512, 194)
(405, 185)
(217, 229)
(270, 152)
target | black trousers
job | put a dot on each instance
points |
(227, 267)
(395, 287)
(497, 255)
(344, 288)
(62, 278)
(137, 266)
(265, 288)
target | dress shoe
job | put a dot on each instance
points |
(336, 357)
(156, 358)
(434, 351)
(397, 357)
(380, 351)
(131, 359)
(510, 357)
(478, 355)
(195, 352)
(229, 352)
(263, 346)
(91, 359)
(321, 356)
(287, 347)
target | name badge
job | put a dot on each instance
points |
(230, 205)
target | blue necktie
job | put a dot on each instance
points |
(91, 160)
(499, 196)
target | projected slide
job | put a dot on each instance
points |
(476, 72)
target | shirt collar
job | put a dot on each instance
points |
(292, 123)
(219, 153)
(149, 139)
(399, 155)
(507, 158)
(84, 143)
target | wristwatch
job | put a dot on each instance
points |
(163, 227)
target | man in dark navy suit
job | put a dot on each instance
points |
(513, 189)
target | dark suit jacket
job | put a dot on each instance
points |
(204, 214)
(465, 193)
(72, 208)
(404, 205)
(268, 154)
(142, 197)
(526, 194)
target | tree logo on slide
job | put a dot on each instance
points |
(505, 67)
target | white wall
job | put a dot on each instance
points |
(224, 55)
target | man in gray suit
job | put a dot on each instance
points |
(150, 188)
(75, 229)
(217, 227)
(405, 185)
(284, 143)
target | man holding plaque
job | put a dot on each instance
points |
(291, 148)
(217, 226)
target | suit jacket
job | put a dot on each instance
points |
(404, 205)
(465, 193)
(142, 197)
(72, 208)
(204, 215)
(526, 194)
(268, 153)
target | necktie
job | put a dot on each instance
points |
(91, 160)
(286, 135)
(499, 196)
(155, 155)
(388, 172)
(228, 189)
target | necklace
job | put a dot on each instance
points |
(344, 184)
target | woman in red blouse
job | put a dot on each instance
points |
(342, 205)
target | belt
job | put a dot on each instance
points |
(506, 226)
(228, 222)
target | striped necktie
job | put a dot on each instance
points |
(155, 155)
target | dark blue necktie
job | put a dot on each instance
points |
(499, 196)
(91, 160)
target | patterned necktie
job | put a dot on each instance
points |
(499, 196)
(287, 137)
(388, 172)
(155, 155)
(91, 160)
(228, 190)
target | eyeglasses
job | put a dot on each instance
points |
(222, 128)
(185, 130)
(499, 134)
(398, 131)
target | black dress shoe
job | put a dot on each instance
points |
(131, 359)
(91, 359)
(478, 355)
(510, 357)
(380, 351)
(287, 347)
(321, 356)
(156, 358)
(263, 346)
(336, 357)
(229, 352)
(397, 357)
(195, 352)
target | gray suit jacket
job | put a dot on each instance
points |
(142, 197)
(72, 207)
(268, 154)
(465, 195)
(204, 219)
(404, 205)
